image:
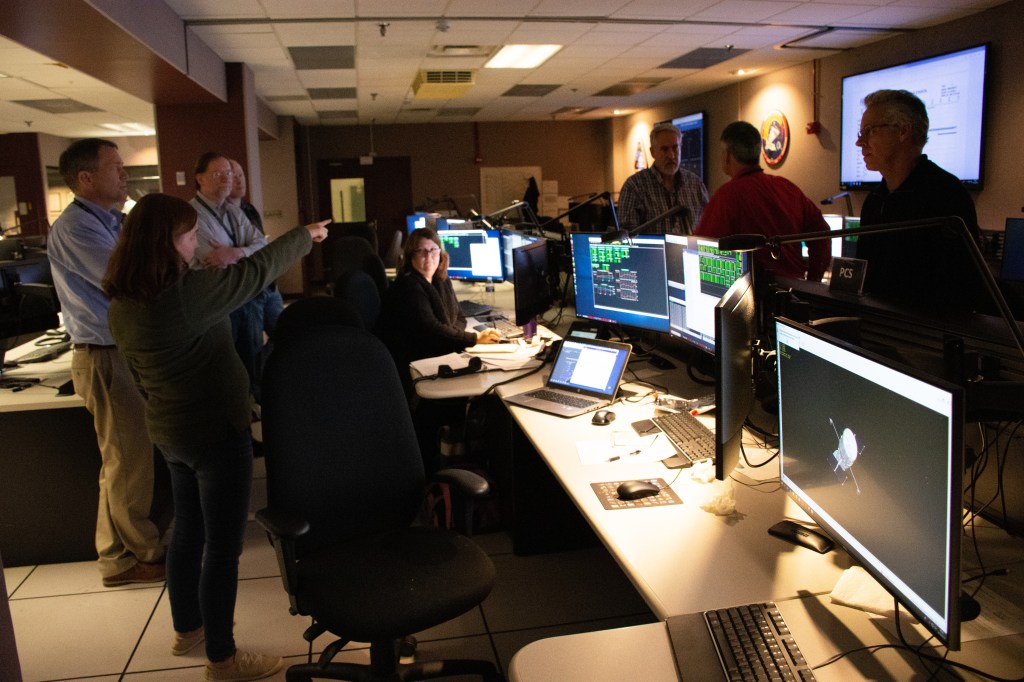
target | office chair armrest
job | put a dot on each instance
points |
(466, 482)
(283, 528)
(282, 524)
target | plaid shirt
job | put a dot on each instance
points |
(643, 197)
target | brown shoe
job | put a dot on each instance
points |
(139, 573)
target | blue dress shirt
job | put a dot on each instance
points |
(78, 246)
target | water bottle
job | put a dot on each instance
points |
(489, 292)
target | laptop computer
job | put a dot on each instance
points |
(585, 377)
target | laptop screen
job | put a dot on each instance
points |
(584, 365)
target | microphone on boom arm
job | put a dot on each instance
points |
(587, 202)
(618, 235)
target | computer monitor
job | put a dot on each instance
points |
(415, 221)
(873, 452)
(532, 283)
(699, 274)
(452, 224)
(473, 255)
(511, 239)
(835, 221)
(1012, 267)
(621, 283)
(735, 332)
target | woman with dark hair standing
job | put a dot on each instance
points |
(421, 317)
(171, 324)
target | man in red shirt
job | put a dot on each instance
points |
(755, 202)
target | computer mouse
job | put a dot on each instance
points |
(635, 490)
(603, 417)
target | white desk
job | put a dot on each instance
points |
(822, 630)
(49, 465)
(684, 560)
(680, 558)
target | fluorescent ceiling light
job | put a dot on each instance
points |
(522, 56)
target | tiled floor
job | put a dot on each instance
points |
(69, 627)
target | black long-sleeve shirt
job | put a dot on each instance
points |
(931, 270)
(421, 319)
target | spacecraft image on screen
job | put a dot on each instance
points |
(845, 455)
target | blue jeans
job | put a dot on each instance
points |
(211, 486)
(247, 326)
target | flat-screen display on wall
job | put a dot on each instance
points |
(952, 87)
(691, 152)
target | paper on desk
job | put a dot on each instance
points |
(621, 446)
(428, 366)
(522, 355)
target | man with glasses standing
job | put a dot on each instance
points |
(226, 235)
(933, 270)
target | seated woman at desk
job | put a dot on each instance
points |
(420, 317)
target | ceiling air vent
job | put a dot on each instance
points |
(447, 84)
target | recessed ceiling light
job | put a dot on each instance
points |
(743, 72)
(522, 56)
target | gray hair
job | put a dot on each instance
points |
(665, 128)
(902, 108)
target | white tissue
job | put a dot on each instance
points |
(859, 590)
(720, 499)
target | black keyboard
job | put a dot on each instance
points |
(688, 435)
(44, 353)
(562, 398)
(754, 643)
(472, 308)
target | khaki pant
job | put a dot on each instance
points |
(125, 534)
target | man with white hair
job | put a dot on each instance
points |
(931, 269)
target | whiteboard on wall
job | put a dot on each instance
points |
(500, 186)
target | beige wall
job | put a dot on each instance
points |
(813, 161)
(279, 194)
(574, 153)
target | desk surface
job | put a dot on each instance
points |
(822, 630)
(41, 396)
(680, 558)
(683, 560)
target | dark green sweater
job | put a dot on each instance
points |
(181, 350)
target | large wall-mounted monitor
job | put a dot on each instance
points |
(952, 87)
(873, 452)
(621, 283)
(699, 274)
(473, 255)
(691, 146)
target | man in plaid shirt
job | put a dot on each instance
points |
(653, 191)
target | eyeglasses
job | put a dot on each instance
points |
(426, 253)
(222, 174)
(868, 131)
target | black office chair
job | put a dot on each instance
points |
(355, 253)
(358, 288)
(344, 482)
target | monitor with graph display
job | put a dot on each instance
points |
(698, 274)
(621, 283)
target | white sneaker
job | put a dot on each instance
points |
(246, 665)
